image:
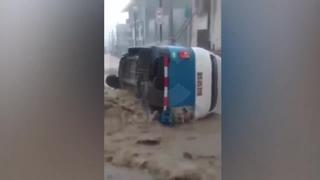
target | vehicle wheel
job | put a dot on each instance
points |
(113, 81)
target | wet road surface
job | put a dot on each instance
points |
(117, 173)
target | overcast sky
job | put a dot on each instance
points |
(113, 14)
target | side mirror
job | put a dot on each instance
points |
(113, 81)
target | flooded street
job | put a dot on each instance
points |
(114, 172)
(190, 151)
(117, 173)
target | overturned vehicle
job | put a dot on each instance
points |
(178, 82)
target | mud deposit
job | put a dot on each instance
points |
(118, 173)
(190, 151)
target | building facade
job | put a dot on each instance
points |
(155, 22)
(123, 39)
(206, 24)
(174, 22)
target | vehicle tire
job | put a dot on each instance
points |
(113, 81)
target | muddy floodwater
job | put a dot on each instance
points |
(139, 148)
(118, 173)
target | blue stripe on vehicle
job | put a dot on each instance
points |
(181, 78)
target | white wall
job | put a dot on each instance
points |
(201, 22)
(216, 23)
(198, 22)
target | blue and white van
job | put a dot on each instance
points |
(180, 83)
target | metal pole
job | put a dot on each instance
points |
(191, 23)
(209, 24)
(160, 27)
(135, 27)
(171, 29)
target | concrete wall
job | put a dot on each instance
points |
(201, 22)
(215, 25)
(198, 23)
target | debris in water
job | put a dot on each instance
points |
(109, 159)
(206, 157)
(190, 138)
(150, 140)
(187, 155)
(186, 171)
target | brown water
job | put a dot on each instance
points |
(126, 123)
(117, 173)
